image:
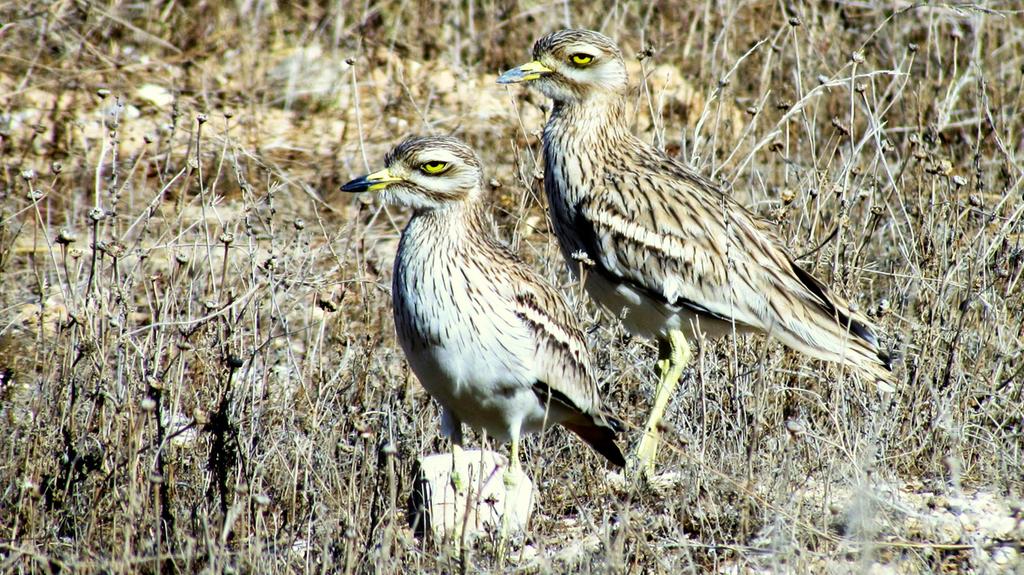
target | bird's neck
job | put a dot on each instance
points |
(581, 141)
(450, 224)
(598, 118)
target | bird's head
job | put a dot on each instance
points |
(573, 66)
(425, 173)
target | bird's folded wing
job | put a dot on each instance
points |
(692, 248)
(561, 357)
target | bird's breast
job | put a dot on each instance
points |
(453, 325)
(568, 180)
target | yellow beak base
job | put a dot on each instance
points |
(371, 182)
(525, 73)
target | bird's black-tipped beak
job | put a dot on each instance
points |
(525, 73)
(371, 182)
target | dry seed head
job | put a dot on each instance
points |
(941, 167)
(883, 307)
(582, 257)
(838, 125)
(66, 237)
(326, 303)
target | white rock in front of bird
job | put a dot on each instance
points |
(435, 507)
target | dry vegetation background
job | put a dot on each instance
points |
(197, 363)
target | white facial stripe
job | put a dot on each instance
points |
(438, 155)
(583, 49)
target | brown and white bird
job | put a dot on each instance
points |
(487, 337)
(672, 255)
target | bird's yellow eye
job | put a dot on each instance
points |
(582, 59)
(434, 168)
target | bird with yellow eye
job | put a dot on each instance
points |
(673, 257)
(488, 338)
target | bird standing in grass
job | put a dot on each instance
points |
(660, 246)
(487, 337)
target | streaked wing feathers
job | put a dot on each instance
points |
(659, 226)
(562, 361)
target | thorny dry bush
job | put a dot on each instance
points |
(198, 367)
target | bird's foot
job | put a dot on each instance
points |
(458, 485)
(511, 479)
(661, 483)
(641, 463)
(643, 479)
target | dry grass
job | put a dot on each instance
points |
(198, 364)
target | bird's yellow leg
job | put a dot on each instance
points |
(515, 468)
(671, 362)
(511, 479)
(456, 477)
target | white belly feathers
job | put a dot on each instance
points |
(471, 353)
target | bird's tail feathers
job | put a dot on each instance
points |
(833, 331)
(601, 437)
(853, 344)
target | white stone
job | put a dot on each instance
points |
(156, 95)
(481, 502)
(1004, 556)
